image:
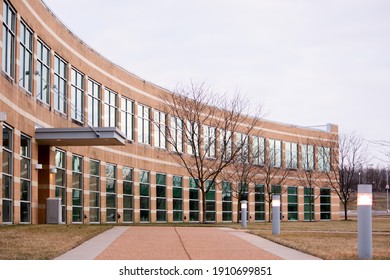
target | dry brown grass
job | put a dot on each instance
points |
(43, 242)
(333, 240)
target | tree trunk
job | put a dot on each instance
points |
(345, 211)
(203, 214)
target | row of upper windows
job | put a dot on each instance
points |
(113, 106)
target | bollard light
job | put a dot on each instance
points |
(275, 214)
(244, 210)
(364, 203)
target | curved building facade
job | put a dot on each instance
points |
(80, 139)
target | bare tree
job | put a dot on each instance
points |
(199, 120)
(351, 151)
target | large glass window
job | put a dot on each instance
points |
(292, 206)
(25, 179)
(60, 80)
(77, 95)
(210, 202)
(43, 73)
(226, 144)
(111, 193)
(275, 153)
(291, 155)
(160, 129)
(209, 141)
(258, 150)
(93, 103)
(177, 193)
(7, 176)
(143, 124)
(176, 134)
(26, 54)
(325, 204)
(127, 117)
(259, 203)
(243, 146)
(193, 138)
(77, 189)
(161, 197)
(307, 157)
(128, 209)
(110, 108)
(94, 191)
(308, 203)
(60, 185)
(324, 159)
(9, 28)
(144, 196)
(194, 201)
(227, 202)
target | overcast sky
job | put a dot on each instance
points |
(307, 62)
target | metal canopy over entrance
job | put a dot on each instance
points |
(80, 136)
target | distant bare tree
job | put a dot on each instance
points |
(199, 120)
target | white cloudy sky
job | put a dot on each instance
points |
(308, 62)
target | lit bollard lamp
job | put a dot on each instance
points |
(244, 210)
(364, 204)
(276, 214)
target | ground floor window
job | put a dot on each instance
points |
(177, 194)
(7, 170)
(60, 184)
(128, 209)
(94, 191)
(77, 189)
(210, 202)
(194, 201)
(325, 202)
(111, 211)
(259, 203)
(144, 199)
(25, 179)
(292, 206)
(308, 203)
(227, 202)
(161, 198)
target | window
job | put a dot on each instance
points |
(60, 185)
(127, 117)
(9, 28)
(128, 209)
(143, 125)
(25, 179)
(7, 175)
(194, 201)
(110, 108)
(161, 197)
(77, 189)
(291, 155)
(93, 103)
(43, 73)
(94, 191)
(324, 159)
(243, 147)
(259, 203)
(226, 145)
(26, 54)
(193, 138)
(325, 204)
(258, 150)
(111, 193)
(308, 203)
(176, 135)
(77, 95)
(292, 206)
(177, 193)
(227, 202)
(160, 129)
(275, 153)
(60, 80)
(209, 141)
(144, 196)
(210, 202)
(307, 157)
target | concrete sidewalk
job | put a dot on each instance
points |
(180, 243)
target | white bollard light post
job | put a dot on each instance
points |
(276, 214)
(244, 209)
(364, 204)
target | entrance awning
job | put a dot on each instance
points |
(80, 136)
